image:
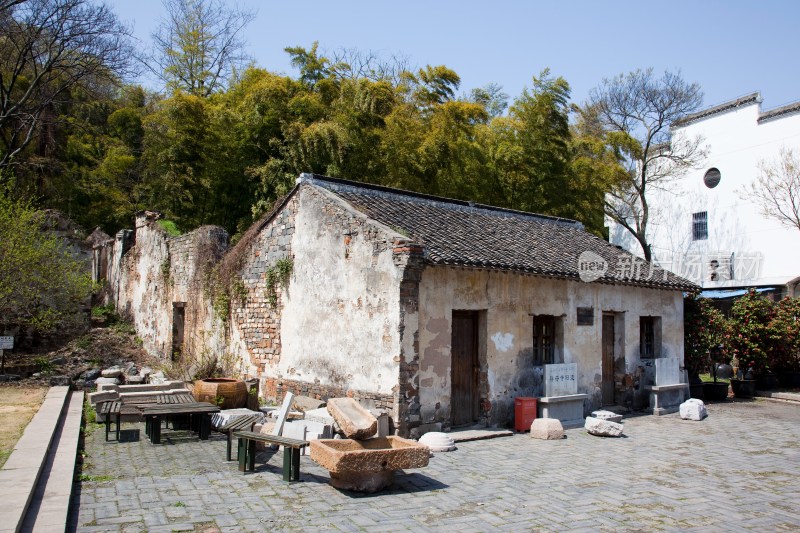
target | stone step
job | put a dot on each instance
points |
(20, 474)
(50, 503)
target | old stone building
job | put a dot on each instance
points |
(438, 310)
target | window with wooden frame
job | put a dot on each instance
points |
(544, 339)
(649, 337)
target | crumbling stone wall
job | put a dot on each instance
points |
(146, 272)
(343, 324)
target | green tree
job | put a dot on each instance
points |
(198, 46)
(42, 284)
(785, 335)
(749, 338)
(705, 328)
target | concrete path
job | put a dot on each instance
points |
(50, 503)
(21, 472)
(738, 470)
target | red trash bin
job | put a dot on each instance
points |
(524, 413)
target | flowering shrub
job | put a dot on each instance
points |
(750, 337)
(785, 335)
(705, 327)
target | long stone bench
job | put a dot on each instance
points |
(568, 409)
(666, 399)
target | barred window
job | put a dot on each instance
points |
(700, 226)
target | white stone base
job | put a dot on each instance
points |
(666, 399)
(567, 409)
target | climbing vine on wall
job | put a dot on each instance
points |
(277, 274)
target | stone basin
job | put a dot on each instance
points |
(367, 465)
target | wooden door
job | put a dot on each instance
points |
(464, 368)
(608, 360)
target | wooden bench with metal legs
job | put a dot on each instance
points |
(241, 423)
(291, 452)
(110, 408)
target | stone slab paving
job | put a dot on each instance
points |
(738, 470)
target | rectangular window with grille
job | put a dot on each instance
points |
(649, 337)
(544, 340)
(700, 226)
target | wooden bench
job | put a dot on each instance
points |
(291, 452)
(110, 408)
(177, 397)
(155, 413)
(241, 423)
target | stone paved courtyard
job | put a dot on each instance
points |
(739, 470)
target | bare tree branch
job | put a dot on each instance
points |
(47, 47)
(776, 190)
(638, 109)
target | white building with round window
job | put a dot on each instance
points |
(707, 227)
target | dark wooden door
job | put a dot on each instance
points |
(608, 359)
(464, 368)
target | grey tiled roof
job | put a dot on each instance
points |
(463, 234)
(732, 105)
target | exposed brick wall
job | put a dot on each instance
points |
(408, 256)
(258, 322)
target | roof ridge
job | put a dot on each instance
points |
(342, 185)
(730, 105)
(780, 111)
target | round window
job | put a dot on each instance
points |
(712, 177)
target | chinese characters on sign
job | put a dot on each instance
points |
(561, 380)
(6, 343)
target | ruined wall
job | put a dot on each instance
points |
(509, 300)
(146, 272)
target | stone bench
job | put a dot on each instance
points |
(568, 409)
(666, 399)
(291, 452)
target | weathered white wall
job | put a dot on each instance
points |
(509, 300)
(736, 144)
(340, 316)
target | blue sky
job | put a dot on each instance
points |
(730, 48)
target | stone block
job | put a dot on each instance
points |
(111, 372)
(607, 415)
(102, 383)
(102, 396)
(306, 403)
(355, 422)
(602, 428)
(547, 429)
(134, 380)
(693, 409)
(368, 465)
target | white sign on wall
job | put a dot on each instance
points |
(561, 380)
(667, 371)
(6, 343)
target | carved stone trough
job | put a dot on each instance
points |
(367, 465)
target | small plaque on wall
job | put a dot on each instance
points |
(586, 316)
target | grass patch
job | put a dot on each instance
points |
(95, 479)
(708, 378)
(170, 227)
(179, 504)
(17, 407)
